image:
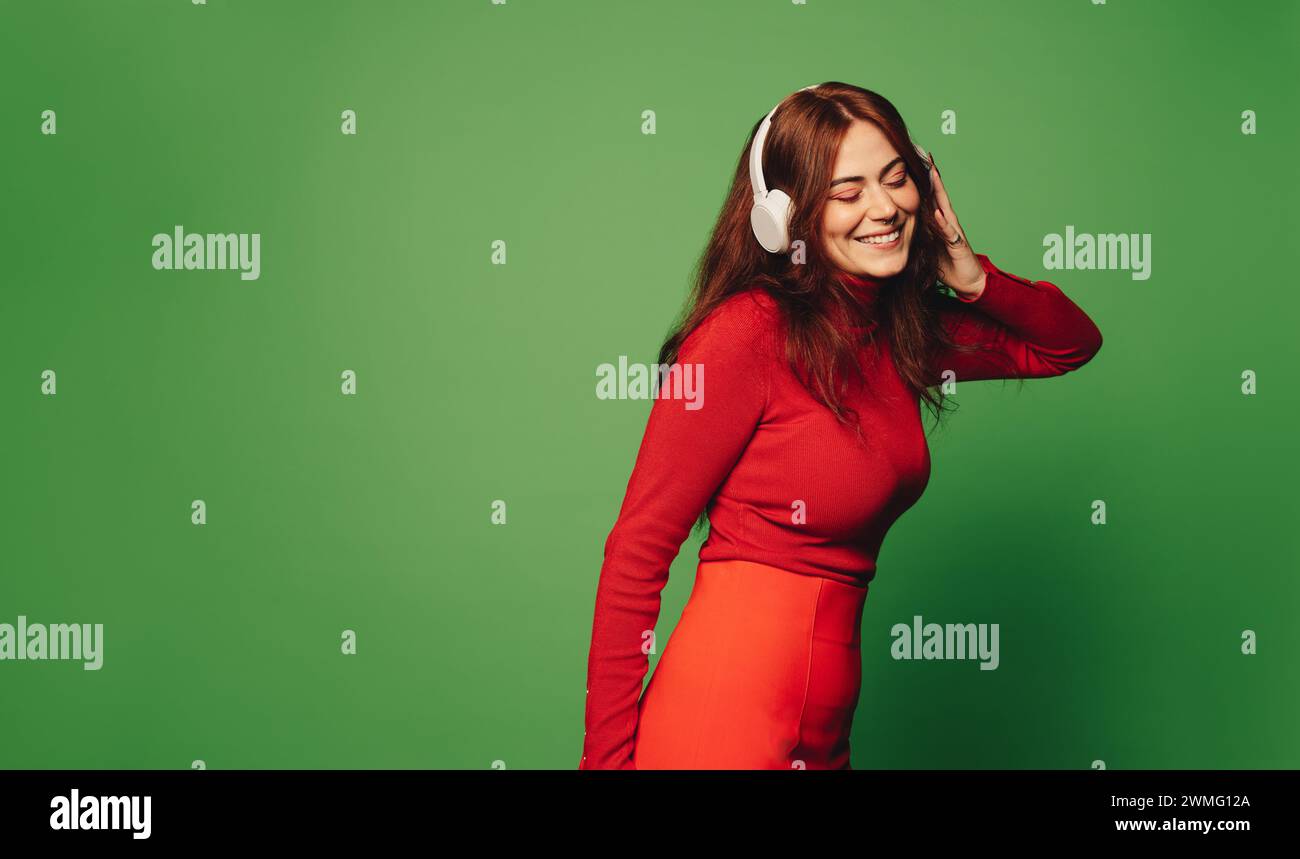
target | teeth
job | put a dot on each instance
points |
(877, 240)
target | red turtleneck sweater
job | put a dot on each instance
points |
(761, 447)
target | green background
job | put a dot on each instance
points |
(522, 123)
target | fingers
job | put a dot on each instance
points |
(951, 233)
(944, 213)
(941, 193)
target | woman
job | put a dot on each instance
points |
(807, 443)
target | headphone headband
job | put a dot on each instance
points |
(756, 181)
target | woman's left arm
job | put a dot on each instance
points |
(1030, 329)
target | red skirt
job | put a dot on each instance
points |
(762, 672)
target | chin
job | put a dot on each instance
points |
(882, 268)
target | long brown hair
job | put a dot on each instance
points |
(799, 155)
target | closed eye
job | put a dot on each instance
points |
(900, 183)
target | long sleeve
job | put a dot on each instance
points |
(685, 454)
(1033, 328)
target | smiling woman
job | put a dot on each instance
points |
(820, 340)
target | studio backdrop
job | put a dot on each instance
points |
(306, 307)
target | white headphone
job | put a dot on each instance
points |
(770, 215)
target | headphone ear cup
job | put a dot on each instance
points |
(770, 220)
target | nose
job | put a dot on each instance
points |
(880, 207)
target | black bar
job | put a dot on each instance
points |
(331, 807)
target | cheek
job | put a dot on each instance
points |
(910, 201)
(838, 225)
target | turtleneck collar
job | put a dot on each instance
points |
(856, 279)
(865, 286)
(868, 291)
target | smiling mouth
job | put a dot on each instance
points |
(885, 241)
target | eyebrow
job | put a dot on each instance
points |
(883, 171)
